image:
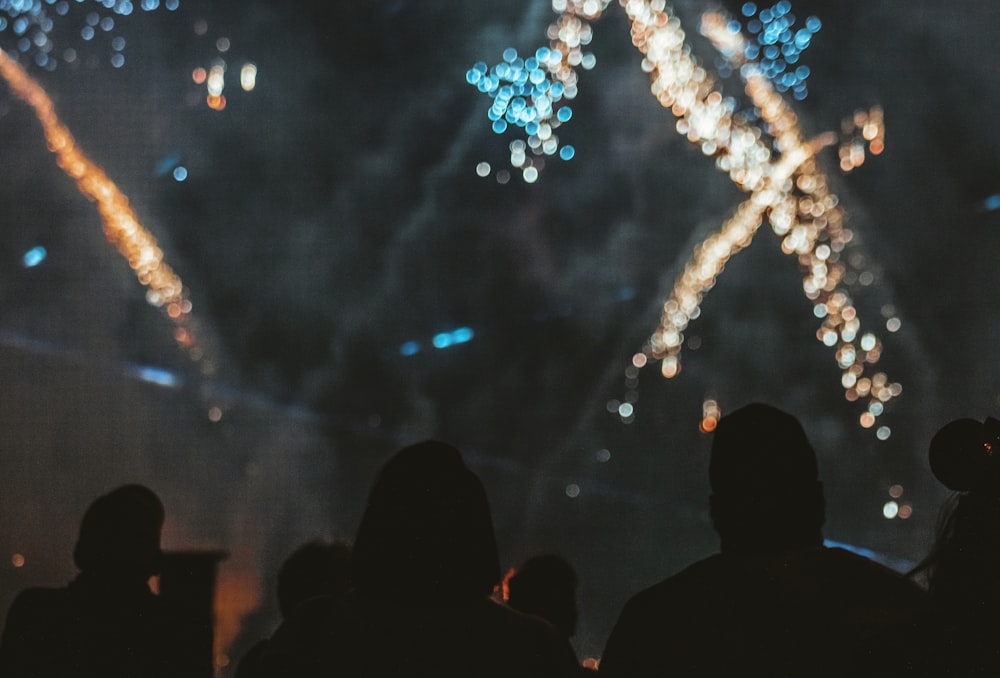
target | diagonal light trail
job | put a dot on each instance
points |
(121, 225)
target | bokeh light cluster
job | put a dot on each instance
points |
(764, 154)
(213, 77)
(28, 28)
(775, 44)
(529, 92)
(786, 187)
(861, 129)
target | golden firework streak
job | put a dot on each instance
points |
(786, 185)
(121, 226)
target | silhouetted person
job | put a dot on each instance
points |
(545, 586)
(106, 623)
(960, 634)
(775, 601)
(316, 568)
(424, 565)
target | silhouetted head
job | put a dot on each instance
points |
(317, 568)
(766, 495)
(426, 537)
(120, 534)
(545, 586)
(965, 560)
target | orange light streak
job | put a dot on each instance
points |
(120, 223)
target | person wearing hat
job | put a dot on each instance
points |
(106, 622)
(774, 601)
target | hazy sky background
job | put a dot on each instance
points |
(333, 215)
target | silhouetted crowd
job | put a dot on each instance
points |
(414, 593)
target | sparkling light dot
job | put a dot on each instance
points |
(890, 510)
(17, 560)
(572, 490)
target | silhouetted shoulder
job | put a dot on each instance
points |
(724, 612)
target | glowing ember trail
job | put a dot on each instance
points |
(121, 226)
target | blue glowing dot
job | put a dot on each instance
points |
(567, 152)
(813, 24)
(410, 348)
(118, 43)
(802, 72)
(462, 335)
(180, 173)
(734, 26)
(992, 203)
(473, 76)
(564, 114)
(117, 59)
(155, 375)
(34, 256)
(172, 4)
(442, 340)
(500, 126)
(749, 9)
(509, 55)
(543, 54)
(87, 33)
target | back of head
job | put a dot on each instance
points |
(316, 568)
(965, 560)
(765, 490)
(120, 534)
(545, 586)
(426, 537)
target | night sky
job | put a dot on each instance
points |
(330, 224)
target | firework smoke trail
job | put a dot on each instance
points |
(121, 226)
